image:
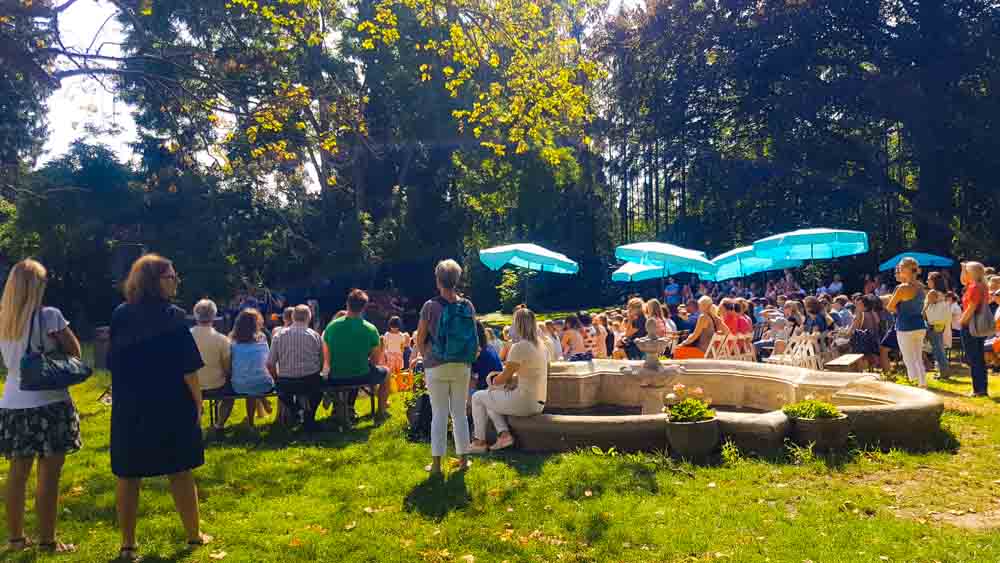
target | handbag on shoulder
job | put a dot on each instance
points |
(982, 324)
(52, 371)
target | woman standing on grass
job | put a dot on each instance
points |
(34, 424)
(156, 414)
(911, 327)
(974, 280)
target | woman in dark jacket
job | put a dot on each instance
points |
(156, 414)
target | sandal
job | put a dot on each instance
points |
(18, 544)
(203, 539)
(57, 547)
(128, 553)
(502, 443)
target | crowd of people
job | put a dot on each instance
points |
(162, 369)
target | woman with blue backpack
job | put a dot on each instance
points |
(449, 343)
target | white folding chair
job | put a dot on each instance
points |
(717, 347)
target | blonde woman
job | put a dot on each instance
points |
(696, 345)
(34, 424)
(635, 328)
(975, 296)
(654, 310)
(519, 390)
(907, 302)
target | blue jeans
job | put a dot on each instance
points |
(937, 348)
(975, 357)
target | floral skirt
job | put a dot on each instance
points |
(41, 431)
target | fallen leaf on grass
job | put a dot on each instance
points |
(351, 526)
(588, 493)
(296, 542)
(711, 485)
(468, 558)
(218, 555)
(317, 528)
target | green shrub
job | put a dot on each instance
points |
(688, 406)
(690, 410)
(811, 409)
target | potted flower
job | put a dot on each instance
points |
(692, 429)
(818, 423)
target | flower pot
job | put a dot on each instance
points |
(693, 440)
(824, 433)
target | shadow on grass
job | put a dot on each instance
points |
(526, 465)
(437, 496)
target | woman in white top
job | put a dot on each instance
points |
(956, 319)
(937, 311)
(518, 390)
(42, 424)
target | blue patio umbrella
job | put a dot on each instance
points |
(632, 272)
(922, 258)
(671, 259)
(528, 256)
(741, 262)
(812, 244)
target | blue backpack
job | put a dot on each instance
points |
(456, 339)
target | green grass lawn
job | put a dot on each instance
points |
(363, 496)
(498, 318)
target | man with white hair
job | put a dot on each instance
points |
(295, 361)
(214, 349)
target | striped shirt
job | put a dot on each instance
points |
(297, 351)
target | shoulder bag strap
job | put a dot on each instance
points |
(31, 332)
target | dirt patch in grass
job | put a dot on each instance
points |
(968, 520)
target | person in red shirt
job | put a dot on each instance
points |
(974, 280)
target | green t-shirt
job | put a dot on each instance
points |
(350, 342)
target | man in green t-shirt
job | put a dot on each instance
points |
(351, 345)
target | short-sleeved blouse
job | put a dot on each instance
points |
(154, 420)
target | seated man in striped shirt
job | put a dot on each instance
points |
(295, 361)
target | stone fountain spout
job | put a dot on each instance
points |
(654, 376)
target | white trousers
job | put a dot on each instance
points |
(448, 387)
(496, 404)
(911, 347)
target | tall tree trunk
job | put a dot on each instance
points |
(933, 204)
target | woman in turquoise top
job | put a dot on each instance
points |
(249, 358)
(908, 304)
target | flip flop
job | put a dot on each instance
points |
(203, 539)
(57, 547)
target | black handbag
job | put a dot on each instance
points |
(52, 371)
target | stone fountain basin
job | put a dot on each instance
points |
(881, 414)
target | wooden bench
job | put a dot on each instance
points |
(341, 392)
(846, 363)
